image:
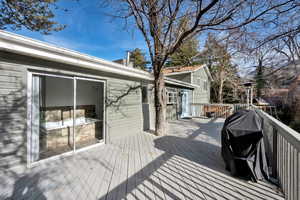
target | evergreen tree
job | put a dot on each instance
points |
(137, 57)
(185, 55)
(34, 15)
(259, 78)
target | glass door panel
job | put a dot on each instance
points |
(52, 106)
(89, 113)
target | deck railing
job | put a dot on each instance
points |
(282, 143)
(212, 110)
(284, 154)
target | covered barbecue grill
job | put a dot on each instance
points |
(243, 147)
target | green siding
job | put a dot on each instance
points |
(199, 94)
(124, 117)
(181, 77)
(13, 127)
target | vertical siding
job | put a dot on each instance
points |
(124, 108)
(199, 95)
(12, 115)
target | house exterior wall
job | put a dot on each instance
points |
(173, 110)
(186, 77)
(123, 103)
(200, 95)
(125, 116)
(13, 113)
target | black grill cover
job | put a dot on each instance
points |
(243, 147)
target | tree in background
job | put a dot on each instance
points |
(259, 79)
(160, 23)
(137, 57)
(184, 56)
(218, 59)
(34, 15)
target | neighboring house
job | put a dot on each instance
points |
(197, 75)
(276, 97)
(55, 101)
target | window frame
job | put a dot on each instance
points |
(172, 96)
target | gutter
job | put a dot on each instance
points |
(10, 42)
(180, 83)
(14, 43)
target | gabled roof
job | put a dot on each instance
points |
(181, 69)
(169, 71)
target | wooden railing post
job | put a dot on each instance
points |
(275, 153)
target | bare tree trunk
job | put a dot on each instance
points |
(160, 105)
(220, 93)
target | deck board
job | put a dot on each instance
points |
(185, 164)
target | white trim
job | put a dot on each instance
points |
(26, 46)
(74, 112)
(208, 73)
(28, 139)
(179, 83)
(101, 142)
(178, 73)
(56, 157)
(18, 44)
(52, 75)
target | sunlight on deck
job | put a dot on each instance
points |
(186, 164)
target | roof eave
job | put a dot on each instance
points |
(179, 83)
(14, 43)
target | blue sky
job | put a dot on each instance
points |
(89, 30)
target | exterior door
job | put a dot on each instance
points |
(185, 104)
(66, 114)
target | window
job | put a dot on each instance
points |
(171, 96)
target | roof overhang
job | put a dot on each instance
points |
(178, 73)
(14, 43)
(10, 42)
(205, 67)
(179, 83)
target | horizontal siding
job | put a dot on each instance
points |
(12, 115)
(199, 95)
(124, 108)
(181, 77)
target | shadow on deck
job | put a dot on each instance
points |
(186, 164)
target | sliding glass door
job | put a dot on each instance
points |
(89, 113)
(66, 114)
(51, 116)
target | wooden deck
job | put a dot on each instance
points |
(183, 165)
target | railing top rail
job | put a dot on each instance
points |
(212, 104)
(288, 133)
